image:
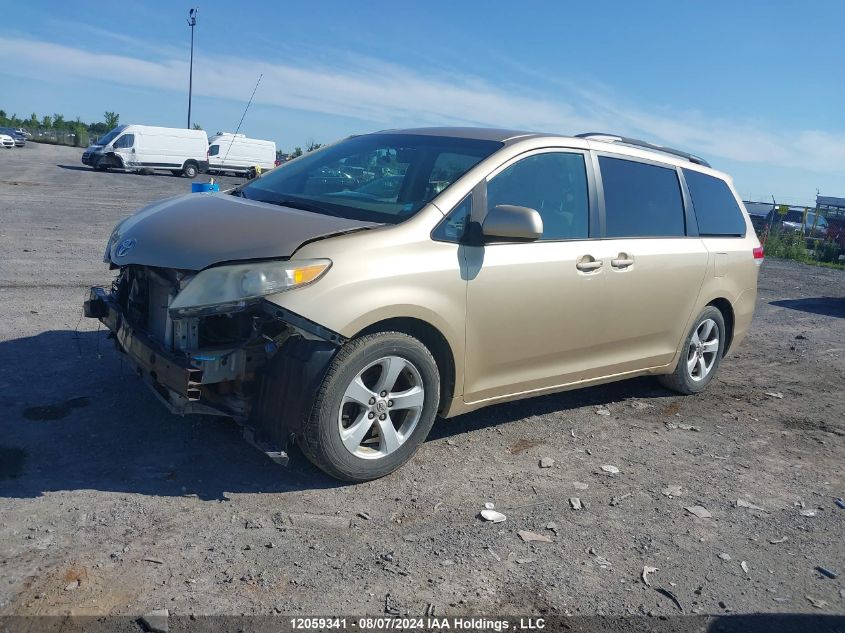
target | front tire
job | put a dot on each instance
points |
(374, 409)
(701, 354)
(190, 170)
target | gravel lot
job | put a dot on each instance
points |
(110, 505)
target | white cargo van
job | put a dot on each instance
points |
(142, 147)
(238, 154)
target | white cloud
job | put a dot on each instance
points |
(390, 95)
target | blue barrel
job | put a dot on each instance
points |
(203, 187)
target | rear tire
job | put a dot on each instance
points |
(387, 374)
(701, 354)
(190, 170)
(176, 172)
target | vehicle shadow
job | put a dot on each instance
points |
(117, 171)
(825, 306)
(73, 415)
(644, 387)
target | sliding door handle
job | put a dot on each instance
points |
(622, 260)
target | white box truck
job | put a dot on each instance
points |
(143, 147)
(238, 154)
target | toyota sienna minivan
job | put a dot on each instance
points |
(347, 298)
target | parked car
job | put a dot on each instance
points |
(761, 214)
(7, 141)
(346, 324)
(142, 147)
(813, 226)
(237, 154)
(18, 137)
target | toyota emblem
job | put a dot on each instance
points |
(124, 247)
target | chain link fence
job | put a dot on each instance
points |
(72, 137)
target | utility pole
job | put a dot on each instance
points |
(192, 22)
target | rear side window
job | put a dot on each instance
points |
(715, 207)
(641, 200)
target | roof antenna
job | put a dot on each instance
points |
(249, 103)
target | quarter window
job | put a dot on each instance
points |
(553, 183)
(453, 227)
(641, 200)
(715, 207)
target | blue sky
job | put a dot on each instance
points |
(758, 88)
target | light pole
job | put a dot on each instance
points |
(192, 22)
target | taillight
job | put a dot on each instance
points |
(758, 255)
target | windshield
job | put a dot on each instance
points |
(110, 136)
(377, 177)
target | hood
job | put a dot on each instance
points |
(197, 230)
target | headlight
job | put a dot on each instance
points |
(112, 239)
(225, 287)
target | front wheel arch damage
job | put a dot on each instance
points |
(288, 387)
(291, 379)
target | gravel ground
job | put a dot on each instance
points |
(110, 505)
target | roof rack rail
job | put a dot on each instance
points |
(624, 140)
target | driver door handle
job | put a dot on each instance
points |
(588, 263)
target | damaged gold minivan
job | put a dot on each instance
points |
(345, 299)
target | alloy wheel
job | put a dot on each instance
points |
(381, 407)
(703, 350)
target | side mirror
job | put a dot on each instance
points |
(509, 223)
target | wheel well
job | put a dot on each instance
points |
(436, 343)
(191, 161)
(724, 306)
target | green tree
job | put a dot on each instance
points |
(196, 126)
(312, 145)
(297, 151)
(59, 122)
(47, 121)
(112, 119)
(98, 129)
(33, 121)
(81, 133)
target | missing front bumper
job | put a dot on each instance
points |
(282, 380)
